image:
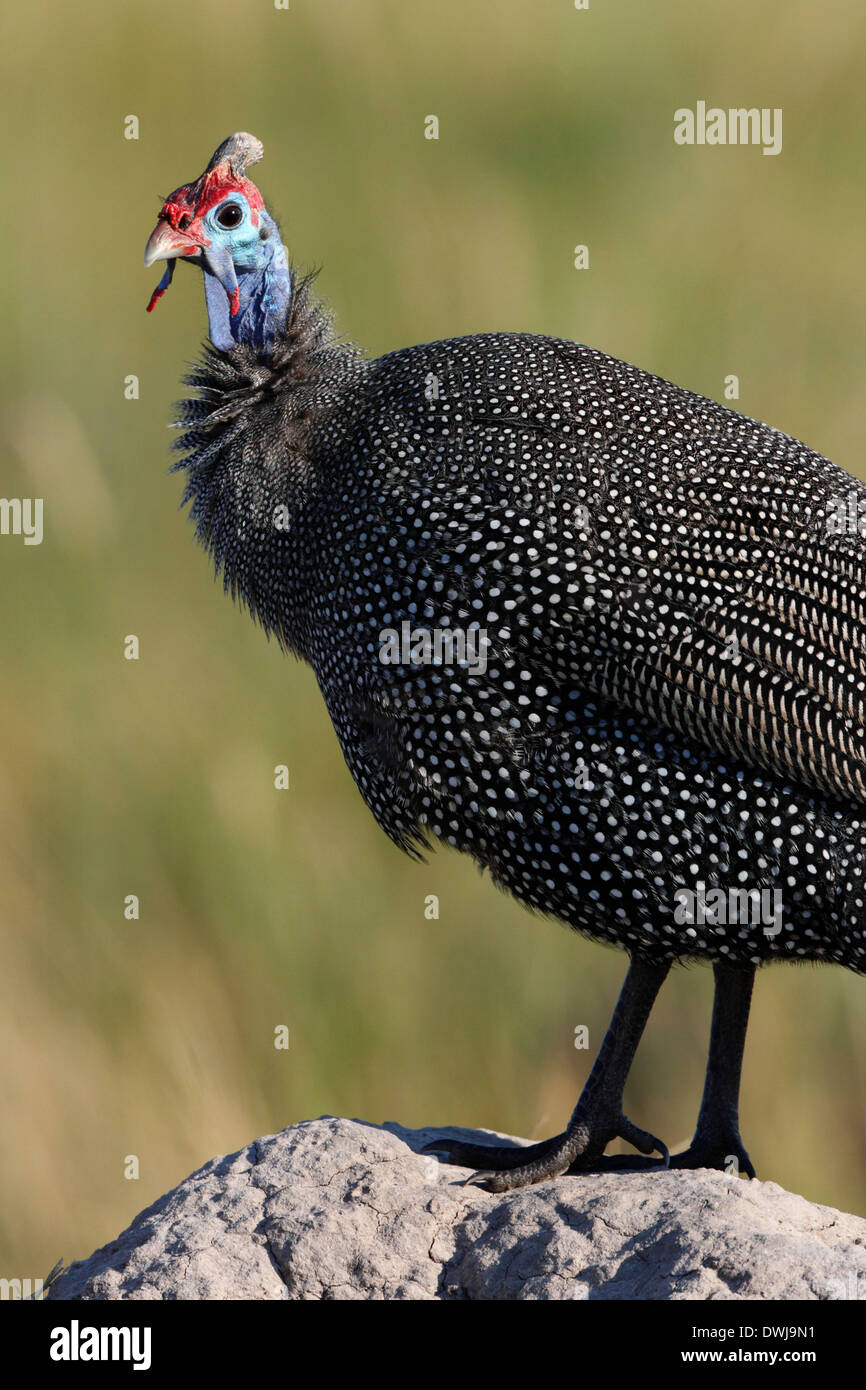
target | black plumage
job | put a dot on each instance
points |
(676, 650)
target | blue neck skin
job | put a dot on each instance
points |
(265, 291)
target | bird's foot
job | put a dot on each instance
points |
(725, 1151)
(578, 1149)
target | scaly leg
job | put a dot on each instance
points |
(717, 1136)
(597, 1117)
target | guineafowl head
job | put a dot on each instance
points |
(220, 223)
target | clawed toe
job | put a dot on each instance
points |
(579, 1149)
(506, 1167)
(728, 1154)
(466, 1155)
(642, 1140)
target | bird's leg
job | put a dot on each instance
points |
(717, 1142)
(597, 1117)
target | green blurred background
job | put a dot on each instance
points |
(155, 1037)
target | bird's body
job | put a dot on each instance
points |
(657, 731)
(610, 534)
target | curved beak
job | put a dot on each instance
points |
(165, 243)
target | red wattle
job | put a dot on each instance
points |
(235, 302)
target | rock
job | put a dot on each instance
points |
(338, 1209)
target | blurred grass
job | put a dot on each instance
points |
(258, 908)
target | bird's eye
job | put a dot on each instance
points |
(229, 216)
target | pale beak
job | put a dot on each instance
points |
(166, 243)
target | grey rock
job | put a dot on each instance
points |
(339, 1209)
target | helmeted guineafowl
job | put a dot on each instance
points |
(602, 634)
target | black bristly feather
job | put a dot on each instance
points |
(674, 688)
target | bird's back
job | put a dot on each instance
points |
(649, 545)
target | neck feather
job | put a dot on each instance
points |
(254, 435)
